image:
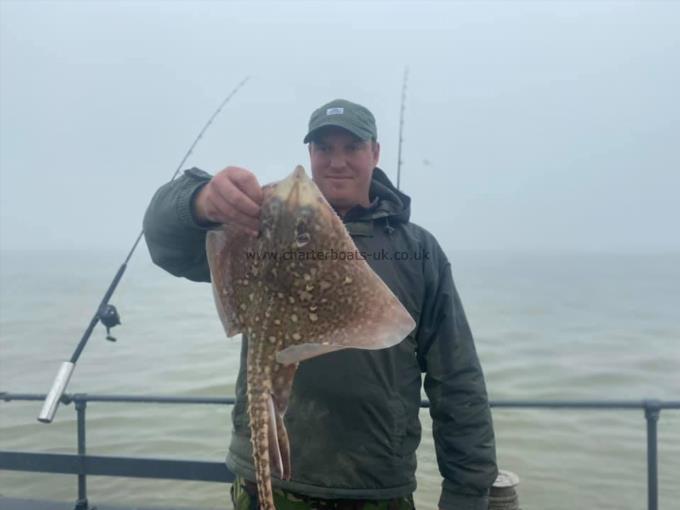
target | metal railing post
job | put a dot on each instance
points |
(652, 412)
(81, 405)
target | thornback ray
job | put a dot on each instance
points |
(293, 300)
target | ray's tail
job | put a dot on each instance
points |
(261, 416)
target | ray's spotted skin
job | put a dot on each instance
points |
(292, 305)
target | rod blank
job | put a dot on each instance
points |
(61, 380)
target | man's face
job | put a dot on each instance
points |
(342, 166)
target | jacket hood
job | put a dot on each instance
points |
(391, 204)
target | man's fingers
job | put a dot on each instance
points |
(221, 211)
(228, 185)
(231, 196)
(247, 183)
(243, 203)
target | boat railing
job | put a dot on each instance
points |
(82, 465)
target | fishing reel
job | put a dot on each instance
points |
(109, 317)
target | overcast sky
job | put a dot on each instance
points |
(529, 125)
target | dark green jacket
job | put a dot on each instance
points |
(353, 415)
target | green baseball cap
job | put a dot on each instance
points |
(353, 117)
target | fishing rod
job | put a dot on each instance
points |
(107, 313)
(401, 125)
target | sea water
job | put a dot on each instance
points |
(547, 326)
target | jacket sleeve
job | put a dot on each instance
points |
(454, 383)
(176, 241)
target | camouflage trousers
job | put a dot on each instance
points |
(244, 497)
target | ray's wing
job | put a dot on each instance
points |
(356, 312)
(338, 304)
(226, 249)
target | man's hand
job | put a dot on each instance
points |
(232, 196)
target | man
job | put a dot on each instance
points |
(353, 414)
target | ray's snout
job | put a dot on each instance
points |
(298, 189)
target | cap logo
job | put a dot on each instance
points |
(335, 111)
